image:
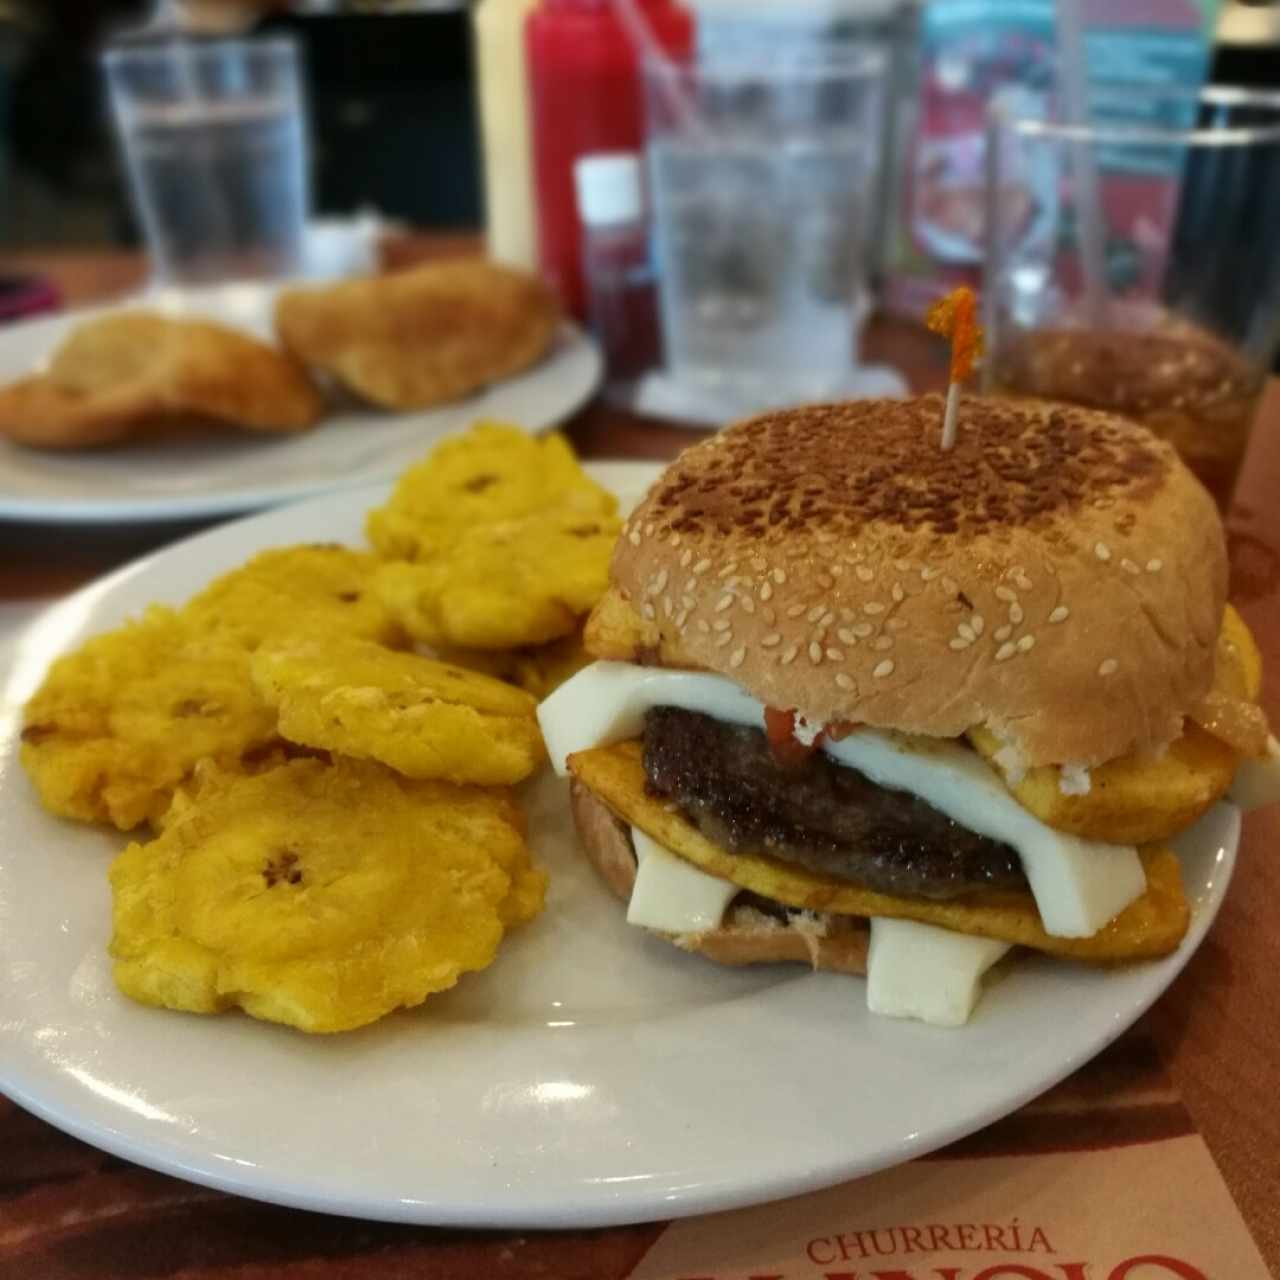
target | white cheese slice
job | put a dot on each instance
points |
(920, 971)
(1257, 782)
(673, 895)
(1078, 884)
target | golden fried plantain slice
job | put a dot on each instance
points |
(491, 474)
(522, 582)
(119, 723)
(302, 591)
(320, 896)
(424, 719)
(1146, 799)
(1153, 925)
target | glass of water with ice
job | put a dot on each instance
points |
(213, 136)
(763, 180)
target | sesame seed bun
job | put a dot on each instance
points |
(1059, 576)
(746, 935)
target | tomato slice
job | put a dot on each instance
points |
(788, 750)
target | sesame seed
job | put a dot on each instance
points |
(929, 574)
(902, 566)
(873, 606)
(659, 582)
(788, 654)
(1128, 566)
(667, 607)
(846, 636)
(1154, 566)
(686, 558)
(1005, 652)
(648, 610)
(724, 638)
(815, 652)
(702, 566)
(634, 538)
(844, 681)
(826, 581)
(883, 669)
(967, 631)
(721, 624)
(1102, 551)
(779, 576)
(704, 626)
(837, 570)
(864, 574)
(648, 531)
(1108, 667)
(675, 539)
(1007, 594)
(731, 567)
(748, 604)
(815, 613)
(1060, 614)
(1023, 582)
(827, 619)
(977, 622)
(771, 639)
(950, 586)
(959, 642)
(736, 657)
(1026, 643)
(682, 617)
(688, 601)
(766, 591)
(1002, 633)
(1015, 614)
(724, 602)
(836, 655)
(863, 629)
(897, 593)
(795, 611)
(881, 643)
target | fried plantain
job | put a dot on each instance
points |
(422, 718)
(320, 896)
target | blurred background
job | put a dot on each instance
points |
(392, 97)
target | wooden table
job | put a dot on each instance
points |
(1218, 1028)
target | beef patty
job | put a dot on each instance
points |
(725, 780)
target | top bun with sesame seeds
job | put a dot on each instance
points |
(1059, 576)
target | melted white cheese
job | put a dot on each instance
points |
(1257, 782)
(1078, 884)
(920, 971)
(673, 895)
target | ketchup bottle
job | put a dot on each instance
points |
(585, 96)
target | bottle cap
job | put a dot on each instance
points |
(610, 191)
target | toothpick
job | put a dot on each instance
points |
(955, 317)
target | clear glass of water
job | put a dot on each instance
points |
(764, 181)
(213, 136)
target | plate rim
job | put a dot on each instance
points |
(99, 1125)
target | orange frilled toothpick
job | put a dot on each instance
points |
(956, 317)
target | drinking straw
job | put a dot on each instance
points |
(667, 73)
(1073, 86)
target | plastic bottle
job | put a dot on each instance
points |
(617, 269)
(585, 97)
(503, 89)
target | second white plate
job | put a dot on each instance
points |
(238, 471)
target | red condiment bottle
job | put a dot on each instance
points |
(585, 96)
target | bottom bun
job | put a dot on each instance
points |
(748, 934)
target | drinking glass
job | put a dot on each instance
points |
(763, 184)
(214, 140)
(1133, 264)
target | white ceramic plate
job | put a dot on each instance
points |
(235, 471)
(592, 1075)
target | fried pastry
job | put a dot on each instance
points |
(421, 337)
(140, 372)
(320, 896)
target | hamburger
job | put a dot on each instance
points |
(877, 708)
